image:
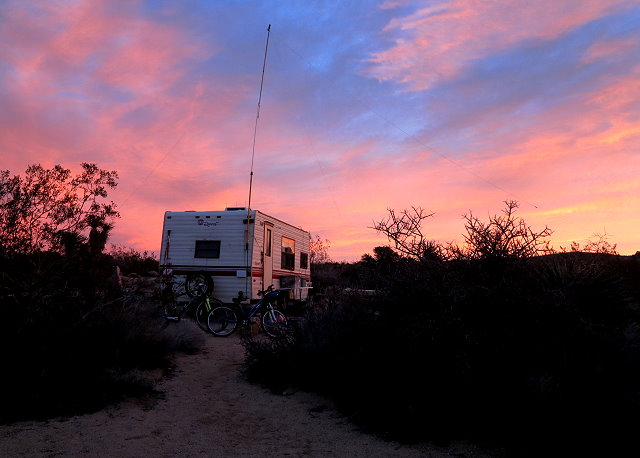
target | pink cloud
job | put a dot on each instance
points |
(436, 43)
(390, 4)
(611, 49)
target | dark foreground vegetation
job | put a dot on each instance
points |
(535, 354)
(72, 341)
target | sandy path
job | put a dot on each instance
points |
(208, 410)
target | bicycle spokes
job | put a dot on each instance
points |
(222, 321)
(274, 323)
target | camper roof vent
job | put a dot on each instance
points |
(235, 209)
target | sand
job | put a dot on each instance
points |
(208, 409)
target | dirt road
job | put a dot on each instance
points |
(209, 410)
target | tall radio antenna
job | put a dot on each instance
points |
(255, 131)
(253, 153)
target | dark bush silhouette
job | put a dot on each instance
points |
(71, 340)
(132, 261)
(504, 236)
(404, 229)
(523, 352)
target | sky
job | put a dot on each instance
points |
(454, 106)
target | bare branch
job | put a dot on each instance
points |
(503, 236)
(319, 250)
(404, 229)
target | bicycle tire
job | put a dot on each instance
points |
(198, 285)
(274, 323)
(222, 321)
(202, 313)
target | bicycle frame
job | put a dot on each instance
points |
(195, 302)
(267, 300)
(223, 320)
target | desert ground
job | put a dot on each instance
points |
(207, 409)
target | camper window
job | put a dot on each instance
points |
(267, 242)
(288, 253)
(207, 249)
(304, 260)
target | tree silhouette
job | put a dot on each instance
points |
(319, 250)
(51, 209)
(503, 236)
(404, 229)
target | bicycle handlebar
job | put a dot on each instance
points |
(268, 290)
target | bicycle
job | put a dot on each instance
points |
(174, 310)
(194, 284)
(223, 320)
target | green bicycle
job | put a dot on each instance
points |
(200, 306)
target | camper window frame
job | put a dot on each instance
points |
(288, 258)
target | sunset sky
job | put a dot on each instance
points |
(452, 105)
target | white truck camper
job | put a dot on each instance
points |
(221, 249)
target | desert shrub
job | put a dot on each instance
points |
(331, 275)
(72, 344)
(497, 340)
(131, 260)
(281, 362)
(271, 362)
(524, 348)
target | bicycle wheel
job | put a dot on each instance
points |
(202, 312)
(222, 321)
(198, 285)
(274, 323)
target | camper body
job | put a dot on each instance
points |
(238, 253)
